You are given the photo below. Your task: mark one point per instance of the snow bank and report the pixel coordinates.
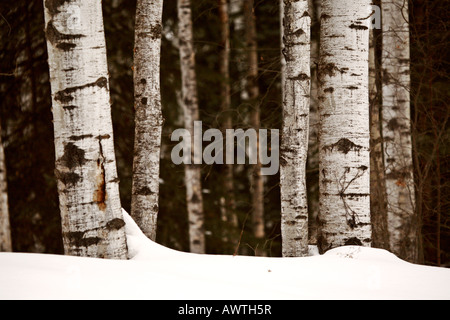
(156, 272)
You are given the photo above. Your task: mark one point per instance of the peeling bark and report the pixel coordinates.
(344, 179)
(148, 117)
(85, 160)
(295, 128)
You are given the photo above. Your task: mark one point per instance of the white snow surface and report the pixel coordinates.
(159, 273)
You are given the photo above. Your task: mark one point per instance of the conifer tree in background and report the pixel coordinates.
(148, 117)
(396, 126)
(194, 197)
(344, 136)
(88, 187)
(294, 143)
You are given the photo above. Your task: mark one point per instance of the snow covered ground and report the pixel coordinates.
(156, 272)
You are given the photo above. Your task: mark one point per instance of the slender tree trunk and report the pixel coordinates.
(403, 225)
(313, 145)
(257, 181)
(194, 196)
(5, 229)
(295, 129)
(344, 124)
(229, 203)
(91, 213)
(147, 145)
(378, 199)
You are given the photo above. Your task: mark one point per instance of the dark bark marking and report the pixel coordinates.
(358, 27)
(144, 191)
(65, 96)
(80, 137)
(55, 37)
(115, 224)
(77, 239)
(67, 178)
(195, 198)
(73, 156)
(154, 33)
(64, 46)
(353, 242)
(103, 136)
(69, 108)
(395, 125)
(300, 77)
(53, 5)
(344, 145)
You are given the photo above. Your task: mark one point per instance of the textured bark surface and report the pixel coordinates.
(148, 117)
(91, 215)
(194, 197)
(295, 128)
(344, 125)
(257, 182)
(5, 229)
(397, 129)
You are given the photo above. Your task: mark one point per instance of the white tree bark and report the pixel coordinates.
(147, 145)
(5, 229)
(92, 223)
(295, 128)
(194, 197)
(344, 125)
(397, 129)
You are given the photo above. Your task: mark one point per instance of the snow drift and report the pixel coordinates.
(156, 272)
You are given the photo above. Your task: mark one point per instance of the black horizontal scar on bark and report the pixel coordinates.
(56, 38)
(344, 145)
(65, 96)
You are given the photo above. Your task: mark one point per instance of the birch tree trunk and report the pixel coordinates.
(194, 197)
(402, 221)
(5, 229)
(92, 222)
(147, 145)
(229, 203)
(257, 182)
(344, 125)
(295, 128)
